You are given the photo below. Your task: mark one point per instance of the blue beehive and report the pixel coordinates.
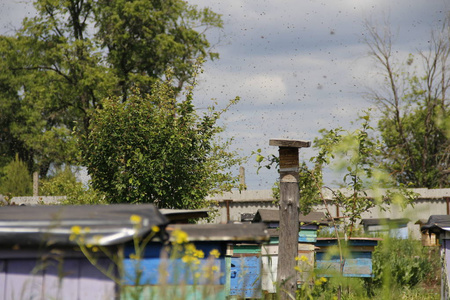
(162, 275)
(308, 224)
(39, 257)
(357, 264)
(245, 271)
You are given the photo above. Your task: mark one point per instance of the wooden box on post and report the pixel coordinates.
(289, 227)
(309, 224)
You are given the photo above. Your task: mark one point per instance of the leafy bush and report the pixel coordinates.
(404, 263)
(17, 180)
(156, 149)
(64, 183)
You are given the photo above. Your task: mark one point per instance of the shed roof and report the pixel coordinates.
(273, 215)
(437, 223)
(52, 225)
(184, 215)
(222, 232)
(384, 221)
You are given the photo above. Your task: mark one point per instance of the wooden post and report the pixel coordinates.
(35, 184)
(242, 177)
(289, 220)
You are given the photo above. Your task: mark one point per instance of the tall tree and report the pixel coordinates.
(155, 149)
(61, 63)
(414, 106)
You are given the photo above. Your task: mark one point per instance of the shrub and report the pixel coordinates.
(404, 263)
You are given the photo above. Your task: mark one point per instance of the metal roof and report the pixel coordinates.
(384, 221)
(222, 232)
(184, 215)
(99, 224)
(437, 223)
(273, 215)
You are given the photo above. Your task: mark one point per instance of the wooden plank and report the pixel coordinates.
(305, 267)
(289, 227)
(188, 292)
(247, 249)
(360, 265)
(269, 273)
(23, 280)
(93, 284)
(269, 249)
(149, 271)
(61, 279)
(2, 279)
(351, 249)
(245, 277)
(289, 143)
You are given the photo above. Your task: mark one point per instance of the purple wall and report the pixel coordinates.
(65, 279)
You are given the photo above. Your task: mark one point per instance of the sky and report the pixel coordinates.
(297, 65)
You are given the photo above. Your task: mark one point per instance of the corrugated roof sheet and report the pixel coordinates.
(273, 215)
(384, 221)
(183, 215)
(436, 223)
(222, 232)
(52, 225)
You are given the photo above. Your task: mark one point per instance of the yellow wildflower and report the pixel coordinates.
(215, 268)
(303, 258)
(155, 228)
(134, 256)
(214, 253)
(189, 248)
(95, 249)
(135, 219)
(76, 230)
(320, 281)
(297, 268)
(190, 259)
(199, 254)
(180, 236)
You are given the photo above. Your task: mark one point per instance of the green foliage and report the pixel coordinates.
(16, 180)
(354, 155)
(411, 265)
(56, 69)
(153, 149)
(414, 108)
(65, 183)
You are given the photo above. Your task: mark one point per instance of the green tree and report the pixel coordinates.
(152, 148)
(353, 155)
(65, 183)
(55, 70)
(415, 121)
(17, 180)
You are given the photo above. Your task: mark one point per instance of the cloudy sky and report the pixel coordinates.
(297, 65)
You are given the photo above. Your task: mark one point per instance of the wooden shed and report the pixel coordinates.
(40, 258)
(357, 264)
(308, 224)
